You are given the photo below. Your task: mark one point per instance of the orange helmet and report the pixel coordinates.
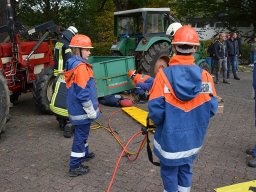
(131, 73)
(81, 41)
(185, 35)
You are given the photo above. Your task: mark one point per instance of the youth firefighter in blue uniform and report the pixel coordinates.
(181, 103)
(82, 102)
(142, 82)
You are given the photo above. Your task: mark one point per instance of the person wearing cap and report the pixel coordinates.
(61, 49)
(82, 102)
(181, 103)
(142, 83)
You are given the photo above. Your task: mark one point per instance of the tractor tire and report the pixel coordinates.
(4, 103)
(205, 66)
(43, 89)
(155, 52)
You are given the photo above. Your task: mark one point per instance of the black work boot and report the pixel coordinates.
(68, 131)
(79, 171)
(88, 157)
(252, 163)
(236, 78)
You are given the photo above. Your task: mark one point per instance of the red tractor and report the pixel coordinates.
(24, 64)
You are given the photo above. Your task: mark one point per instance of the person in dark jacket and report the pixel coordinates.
(82, 102)
(220, 56)
(233, 54)
(211, 52)
(252, 152)
(61, 49)
(61, 54)
(181, 103)
(253, 50)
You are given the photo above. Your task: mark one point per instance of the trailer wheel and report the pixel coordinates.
(43, 89)
(4, 103)
(149, 59)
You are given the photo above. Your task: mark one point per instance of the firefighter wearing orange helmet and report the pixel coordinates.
(82, 102)
(181, 103)
(142, 83)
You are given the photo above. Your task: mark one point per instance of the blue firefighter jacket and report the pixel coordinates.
(181, 103)
(81, 90)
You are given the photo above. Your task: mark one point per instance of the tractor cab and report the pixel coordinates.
(141, 22)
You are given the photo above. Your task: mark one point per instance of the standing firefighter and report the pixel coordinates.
(62, 51)
(58, 101)
(170, 32)
(181, 103)
(82, 102)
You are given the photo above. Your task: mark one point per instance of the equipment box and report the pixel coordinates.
(110, 73)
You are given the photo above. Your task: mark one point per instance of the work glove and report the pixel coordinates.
(91, 113)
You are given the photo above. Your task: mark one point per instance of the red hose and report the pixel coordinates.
(120, 157)
(116, 136)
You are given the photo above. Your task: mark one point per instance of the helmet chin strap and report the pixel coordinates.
(81, 52)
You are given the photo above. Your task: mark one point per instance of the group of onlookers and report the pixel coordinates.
(225, 51)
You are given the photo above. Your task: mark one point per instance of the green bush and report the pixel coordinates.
(101, 49)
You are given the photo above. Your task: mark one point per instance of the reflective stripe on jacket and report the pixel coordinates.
(61, 53)
(58, 103)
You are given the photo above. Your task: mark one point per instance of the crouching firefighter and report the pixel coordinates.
(82, 102)
(58, 101)
(142, 83)
(181, 103)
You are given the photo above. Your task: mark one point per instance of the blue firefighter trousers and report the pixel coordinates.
(176, 178)
(80, 146)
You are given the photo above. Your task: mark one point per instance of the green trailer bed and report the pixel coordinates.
(110, 73)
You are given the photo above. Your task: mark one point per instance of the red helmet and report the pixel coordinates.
(81, 41)
(126, 103)
(131, 73)
(185, 35)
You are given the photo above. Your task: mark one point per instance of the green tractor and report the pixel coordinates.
(142, 33)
